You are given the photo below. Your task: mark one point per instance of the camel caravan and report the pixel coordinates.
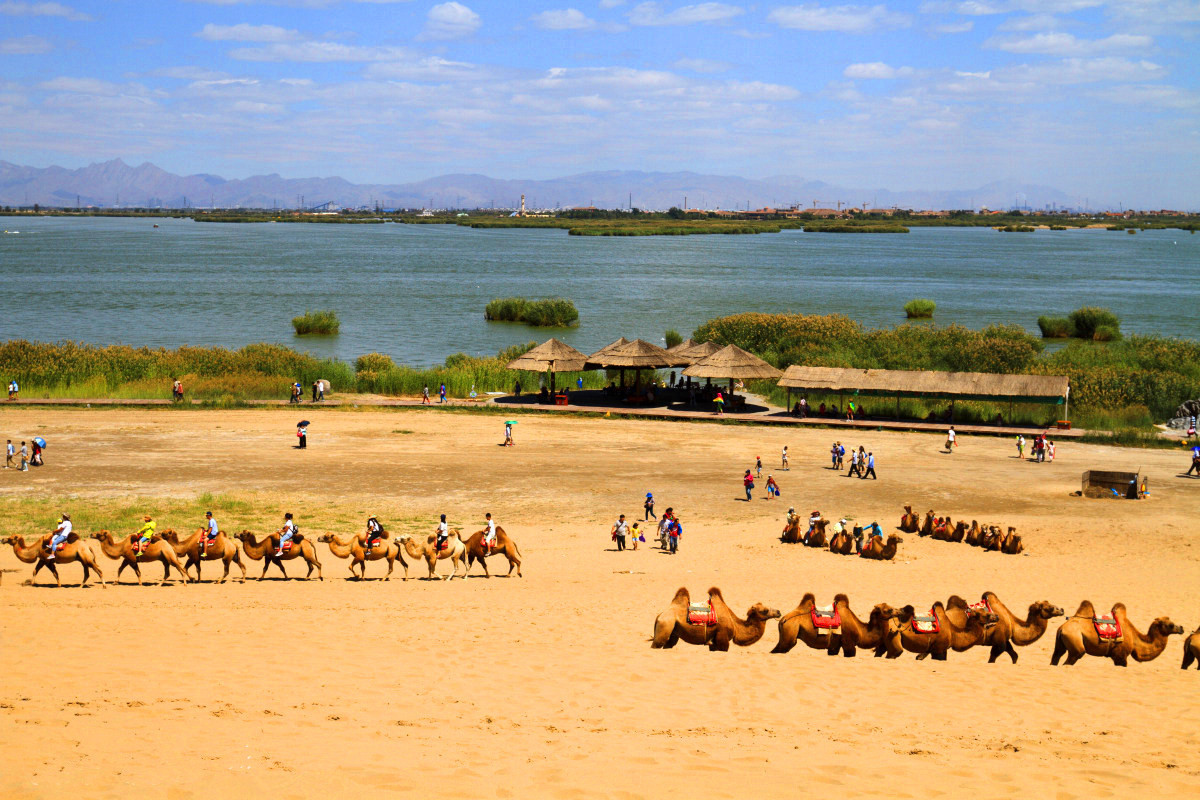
(868, 543)
(179, 555)
(889, 631)
(989, 537)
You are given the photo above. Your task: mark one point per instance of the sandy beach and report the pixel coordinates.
(545, 686)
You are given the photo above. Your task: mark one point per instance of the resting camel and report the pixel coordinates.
(853, 634)
(949, 636)
(73, 549)
(157, 549)
(974, 535)
(817, 537)
(992, 539)
(426, 550)
(1191, 649)
(876, 550)
(1012, 543)
(505, 546)
(354, 548)
(221, 548)
(672, 624)
(265, 551)
(909, 522)
(791, 532)
(842, 542)
(943, 531)
(927, 526)
(1077, 637)
(1008, 628)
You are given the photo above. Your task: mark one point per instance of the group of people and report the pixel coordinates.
(860, 535)
(748, 482)
(319, 387)
(442, 394)
(13, 389)
(862, 463)
(1043, 448)
(10, 456)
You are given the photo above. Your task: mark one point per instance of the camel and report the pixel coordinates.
(817, 537)
(1012, 544)
(427, 551)
(876, 550)
(791, 532)
(927, 526)
(354, 548)
(948, 637)
(505, 546)
(842, 542)
(157, 549)
(992, 539)
(672, 625)
(943, 531)
(73, 549)
(853, 633)
(1191, 649)
(1077, 637)
(196, 550)
(265, 551)
(909, 522)
(1008, 628)
(974, 535)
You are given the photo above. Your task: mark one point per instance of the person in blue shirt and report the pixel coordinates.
(870, 468)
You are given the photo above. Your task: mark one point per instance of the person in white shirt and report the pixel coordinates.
(443, 533)
(8, 455)
(59, 535)
(950, 440)
(785, 458)
(489, 536)
(374, 531)
(286, 532)
(619, 529)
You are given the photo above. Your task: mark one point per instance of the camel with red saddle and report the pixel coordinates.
(934, 634)
(791, 532)
(833, 628)
(75, 548)
(505, 546)
(943, 529)
(842, 542)
(131, 553)
(992, 538)
(711, 623)
(817, 538)
(876, 550)
(197, 548)
(354, 547)
(1114, 636)
(265, 551)
(1191, 649)
(426, 549)
(1008, 629)
(927, 525)
(909, 521)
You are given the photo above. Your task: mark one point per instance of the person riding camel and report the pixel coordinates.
(792, 519)
(813, 519)
(144, 533)
(210, 535)
(374, 531)
(59, 535)
(443, 533)
(489, 537)
(286, 533)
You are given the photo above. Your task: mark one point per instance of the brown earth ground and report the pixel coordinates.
(546, 685)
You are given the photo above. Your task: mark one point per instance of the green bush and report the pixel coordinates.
(1055, 327)
(316, 322)
(1131, 230)
(920, 309)
(672, 338)
(374, 362)
(1106, 333)
(1088, 319)
(1016, 229)
(552, 312)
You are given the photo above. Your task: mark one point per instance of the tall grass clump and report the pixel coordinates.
(318, 322)
(1055, 327)
(551, 312)
(920, 309)
(672, 337)
(1092, 322)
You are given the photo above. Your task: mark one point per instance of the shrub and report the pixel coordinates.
(1106, 333)
(1088, 319)
(672, 338)
(1055, 327)
(556, 311)
(374, 362)
(1058, 227)
(316, 322)
(1016, 229)
(920, 309)
(1131, 230)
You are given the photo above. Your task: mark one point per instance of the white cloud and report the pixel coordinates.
(247, 33)
(704, 65)
(966, 26)
(970, 8)
(1154, 95)
(1066, 44)
(450, 21)
(1031, 22)
(43, 10)
(611, 3)
(318, 52)
(563, 19)
(653, 14)
(843, 19)
(24, 46)
(876, 70)
(188, 73)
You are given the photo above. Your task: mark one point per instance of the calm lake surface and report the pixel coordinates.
(417, 292)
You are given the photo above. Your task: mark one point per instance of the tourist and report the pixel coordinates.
(314, 391)
(673, 534)
(841, 455)
(24, 458)
(36, 461)
(748, 483)
(635, 535)
(792, 518)
(211, 529)
(813, 519)
(579, 383)
(1191, 431)
(295, 396)
(619, 531)
(508, 439)
(322, 384)
(59, 535)
(489, 535)
(803, 407)
(9, 452)
(286, 532)
(1020, 447)
(850, 412)
(442, 393)
(870, 468)
(758, 466)
(13, 389)
(649, 507)
(1195, 467)
(374, 532)
(425, 394)
(853, 464)
(772, 487)
(719, 403)
(144, 533)
(664, 527)
(785, 458)
(177, 391)
(442, 532)
(951, 440)
(302, 434)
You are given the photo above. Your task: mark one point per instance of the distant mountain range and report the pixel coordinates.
(116, 184)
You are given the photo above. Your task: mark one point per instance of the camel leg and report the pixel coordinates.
(279, 563)
(939, 656)
(1188, 658)
(1060, 648)
(191, 562)
(835, 644)
(1012, 651)
(720, 642)
(353, 574)
(238, 560)
(848, 649)
(1120, 660)
(136, 571)
(53, 571)
(166, 572)
(1072, 658)
(198, 563)
(996, 651)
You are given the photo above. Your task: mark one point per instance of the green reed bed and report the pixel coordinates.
(920, 309)
(317, 322)
(550, 312)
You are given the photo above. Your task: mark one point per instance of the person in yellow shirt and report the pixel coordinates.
(145, 532)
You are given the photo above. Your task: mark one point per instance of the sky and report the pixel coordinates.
(1092, 97)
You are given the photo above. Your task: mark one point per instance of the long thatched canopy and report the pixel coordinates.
(732, 361)
(638, 354)
(905, 383)
(551, 355)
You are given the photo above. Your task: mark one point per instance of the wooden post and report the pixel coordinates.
(897, 406)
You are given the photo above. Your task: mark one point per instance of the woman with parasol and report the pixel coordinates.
(302, 434)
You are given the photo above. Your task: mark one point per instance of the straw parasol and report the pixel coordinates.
(732, 362)
(699, 351)
(636, 355)
(686, 344)
(550, 356)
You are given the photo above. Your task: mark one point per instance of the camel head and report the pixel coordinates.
(984, 617)
(325, 537)
(402, 538)
(894, 538)
(8, 539)
(245, 536)
(1044, 610)
(886, 611)
(1165, 626)
(101, 534)
(760, 612)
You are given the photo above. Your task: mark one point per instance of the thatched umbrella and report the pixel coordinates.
(550, 356)
(686, 344)
(636, 355)
(699, 351)
(732, 362)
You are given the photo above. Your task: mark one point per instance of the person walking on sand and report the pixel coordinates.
(841, 455)
(1020, 447)
(302, 434)
(785, 458)
(1050, 451)
(635, 535)
(441, 394)
(664, 528)
(853, 464)
(870, 468)
(9, 452)
(673, 534)
(758, 466)
(719, 404)
(24, 458)
(1195, 467)
(508, 440)
(772, 487)
(748, 482)
(951, 440)
(619, 530)
(425, 396)
(649, 507)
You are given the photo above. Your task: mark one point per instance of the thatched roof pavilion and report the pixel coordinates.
(699, 351)
(550, 356)
(732, 362)
(638, 354)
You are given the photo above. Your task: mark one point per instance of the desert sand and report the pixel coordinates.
(545, 686)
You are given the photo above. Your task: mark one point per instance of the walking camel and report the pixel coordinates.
(196, 549)
(1191, 649)
(876, 550)
(265, 551)
(1078, 637)
(1008, 630)
(157, 549)
(354, 548)
(426, 550)
(852, 632)
(73, 549)
(672, 625)
(941, 637)
(505, 546)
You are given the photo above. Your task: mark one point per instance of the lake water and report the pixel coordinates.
(417, 292)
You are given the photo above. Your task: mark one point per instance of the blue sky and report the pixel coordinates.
(1093, 97)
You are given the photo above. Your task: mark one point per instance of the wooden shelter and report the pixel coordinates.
(550, 356)
(636, 355)
(732, 362)
(698, 351)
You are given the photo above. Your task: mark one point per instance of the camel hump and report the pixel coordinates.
(1086, 609)
(956, 602)
(713, 591)
(72, 537)
(841, 597)
(1119, 607)
(809, 598)
(681, 595)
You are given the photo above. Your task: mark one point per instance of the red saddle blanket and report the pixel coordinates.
(701, 614)
(926, 624)
(826, 618)
(1107, 627)
(443, 545)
